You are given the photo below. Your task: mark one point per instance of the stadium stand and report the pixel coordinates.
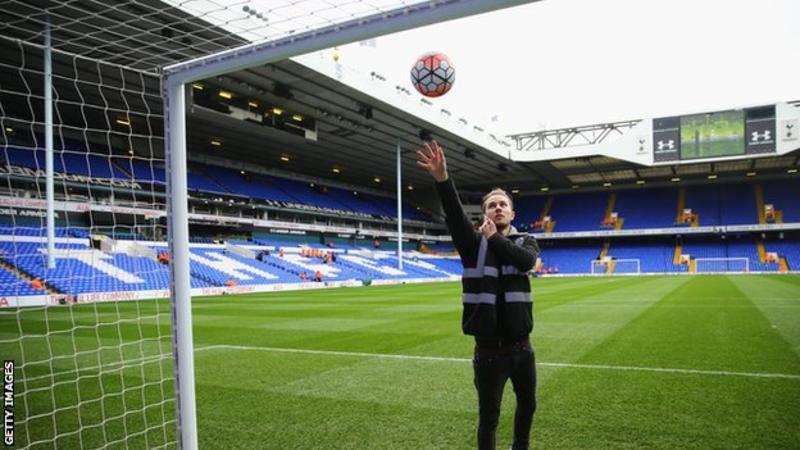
(81, 269)
(574, 259)
(737, 203)
(210, 179)
(784, 196)
(212, 266)
(653, 258)
(789, 249)
(647, 208)
(578, 212)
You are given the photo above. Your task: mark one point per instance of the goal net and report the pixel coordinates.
(615, 266)
(92, 365)
(96, 361)
(722, 265)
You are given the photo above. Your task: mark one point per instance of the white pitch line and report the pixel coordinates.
(546, 364)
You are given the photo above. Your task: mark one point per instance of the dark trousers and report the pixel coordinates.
(492, 370)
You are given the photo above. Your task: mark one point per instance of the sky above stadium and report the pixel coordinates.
(565, 63)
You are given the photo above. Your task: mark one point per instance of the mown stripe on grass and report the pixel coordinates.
(737, 338)
(571, 328)
(467, 360)
(773, 295)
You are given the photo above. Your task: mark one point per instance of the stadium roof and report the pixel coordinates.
(362, 145)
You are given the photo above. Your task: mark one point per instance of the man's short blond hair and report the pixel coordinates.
(497, 191)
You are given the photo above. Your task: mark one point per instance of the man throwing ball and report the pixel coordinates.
(498, 309)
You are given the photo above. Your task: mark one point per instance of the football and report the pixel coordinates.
(433, 74)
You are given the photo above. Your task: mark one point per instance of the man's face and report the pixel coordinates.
(498, 210)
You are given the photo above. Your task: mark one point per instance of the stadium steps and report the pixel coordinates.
(548, 205)
(678, 252)
(759, 189)
(27, 277)
(762, 251)
(610, 267)
(783, 265)
(778, 216)
(612, 202)
(546, 210)
(618, 224)
(695, 220)
(604, 251)
(692, 266)
(681, 205)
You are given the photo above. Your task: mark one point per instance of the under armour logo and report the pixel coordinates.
(668, 145)
(789, 127)
(755, 136)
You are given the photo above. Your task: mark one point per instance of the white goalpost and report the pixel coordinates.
(722, 265)
(615, 266)
(86, 164)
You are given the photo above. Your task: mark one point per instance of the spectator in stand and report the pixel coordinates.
(231, 282)
(281, 253)
(37, 284)
(377, 243)
(304, 276)
(333, 256)
(318, 276)
(163, 258)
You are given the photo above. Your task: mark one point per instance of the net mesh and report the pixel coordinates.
(89, 374)
(145, 34)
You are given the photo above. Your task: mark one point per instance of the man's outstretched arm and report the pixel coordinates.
(434, 161)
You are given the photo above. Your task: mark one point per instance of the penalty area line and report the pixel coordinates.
(466, 360)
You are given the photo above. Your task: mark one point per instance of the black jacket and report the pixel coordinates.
(495, 284)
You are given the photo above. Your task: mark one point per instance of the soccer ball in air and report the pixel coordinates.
(433, 74)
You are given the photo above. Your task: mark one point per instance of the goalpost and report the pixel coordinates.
(722, 265)
(92, 370)
(615, 266)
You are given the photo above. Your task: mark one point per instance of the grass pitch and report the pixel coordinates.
(624, 362)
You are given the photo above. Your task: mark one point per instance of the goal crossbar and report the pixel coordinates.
(399, 19)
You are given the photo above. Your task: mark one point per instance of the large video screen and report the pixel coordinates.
(720, 134)
(712, 135)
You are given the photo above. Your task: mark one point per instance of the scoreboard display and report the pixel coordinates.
(714, 135)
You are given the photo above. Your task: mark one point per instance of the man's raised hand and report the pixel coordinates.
(433, 161)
